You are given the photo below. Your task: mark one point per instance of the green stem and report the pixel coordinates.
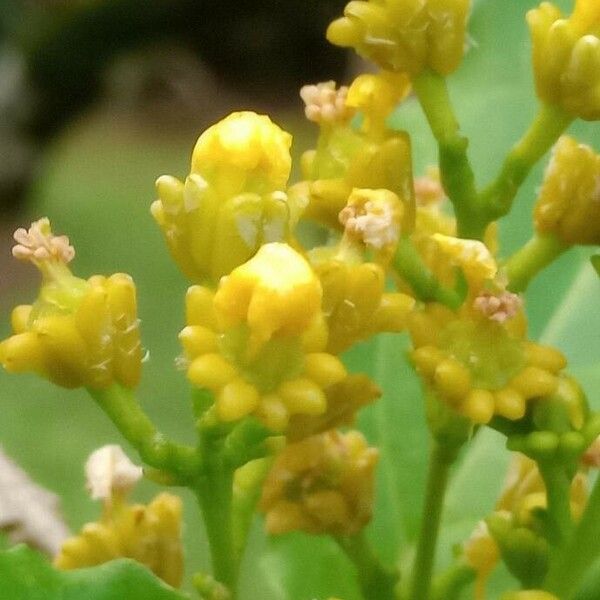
(376, 582)
(437, 481)
(456, 171)
(579, 554)
(558, 492)
(248, 483)
(548, 126)
(410, 266)
(215, 495)
(123, 409)
(533, 257)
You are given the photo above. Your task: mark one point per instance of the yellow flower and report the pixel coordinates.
(566, 57)
(243, 152)
(373, 217)
(275, 292)
(232, 202)
(568, 204)
(259, 344)
(77, 333)
(482, 366)
(405, 35)
(376, 96)
(373, 158)
(355, 303)
(324, 484)
(326, 105)
(149, 534)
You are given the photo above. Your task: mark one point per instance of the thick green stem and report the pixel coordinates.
(558, 492)
(215, 495)
(579, 554)
(410, 266)
(123, 409)
(376, 582)
(548, 126)
(437, 481)
(456, 171)
(532, 258)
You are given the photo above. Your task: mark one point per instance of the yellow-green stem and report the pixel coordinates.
(579, 554)
(410, 266)
(549, 124)
(123, 409)
(456, 171)
(533, 257)
(215, 494)
(437, 482)
(376, 582)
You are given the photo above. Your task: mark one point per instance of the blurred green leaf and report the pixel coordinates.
(26, 575)
(302, 567)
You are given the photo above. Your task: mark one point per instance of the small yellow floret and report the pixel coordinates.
(245, 146)
(568, 204)
(405, 36)
(274, 293)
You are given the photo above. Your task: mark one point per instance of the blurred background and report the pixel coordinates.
(100, 97)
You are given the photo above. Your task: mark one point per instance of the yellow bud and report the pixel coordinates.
(199, 307)
(273, 412)
(274, 293)
(479, 406)
(472, 256)
(324, 369)
(510, 403)
(23, 352)
(566, 57)
(197, 340)
(303, 396)
(568, 204)
(452, 379)
(19, 317)
(407, 36)
(244, 151)
(533, 382)
(426, 359)
(211, 371)
(545, 357)
(236, 400)
(377, 96)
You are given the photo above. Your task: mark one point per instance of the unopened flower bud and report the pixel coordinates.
(568, 204)
(323, 484)
(566, 57)
(77, 333)
(407, 36)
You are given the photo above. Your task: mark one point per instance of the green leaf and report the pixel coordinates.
(26, 575)
(303, 567)
(590, 589)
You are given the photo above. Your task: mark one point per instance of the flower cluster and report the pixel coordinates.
(407, 36)
(566, 57)
(323, 484)
(77, 333)
(150, 534)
